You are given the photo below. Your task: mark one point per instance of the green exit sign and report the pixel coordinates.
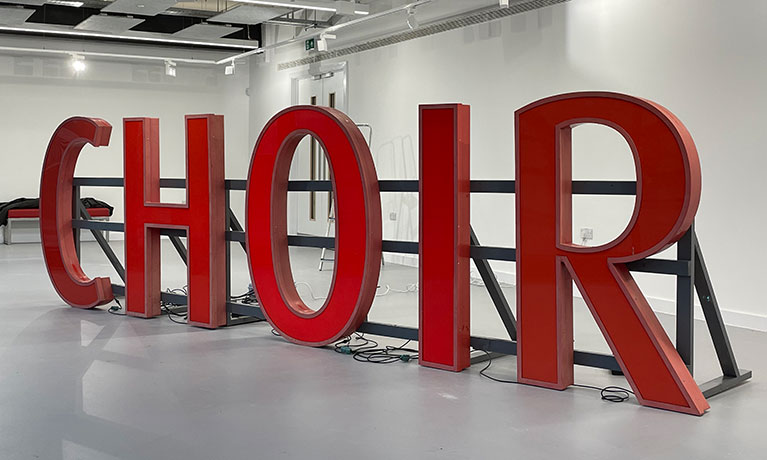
(310, 45)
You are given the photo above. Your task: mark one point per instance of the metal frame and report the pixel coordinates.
(8, 231)
(689, 269)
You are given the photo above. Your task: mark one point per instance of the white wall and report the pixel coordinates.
(702, 59)
(38, 92)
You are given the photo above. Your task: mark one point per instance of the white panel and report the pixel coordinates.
(113, 24)
(11, 16)
(140, 7)
(249, 14)
(206, 31)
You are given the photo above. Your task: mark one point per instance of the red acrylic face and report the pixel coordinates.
(444, 240)
(202, 217)
(668, 192)
(358, 229)
(59, 253)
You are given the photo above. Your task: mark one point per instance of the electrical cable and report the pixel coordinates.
(367, 350)
(167, 307)
(386, 355)
(609, 393)
(346, 347)
(115, 308)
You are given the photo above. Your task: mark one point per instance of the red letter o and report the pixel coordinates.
(358, 225)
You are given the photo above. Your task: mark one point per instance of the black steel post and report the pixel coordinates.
(685, 307)
(228, 261)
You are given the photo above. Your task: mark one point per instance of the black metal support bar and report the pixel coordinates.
(724, 383)
(660, 266)
(103, 244)
(228, 251)
(97, 225)
(235, 226)
(245, 310)
(410, 186)
(713, 316)
(180, 248)
(494, 289)
(483, 356)
(689, 270)
(685, 313)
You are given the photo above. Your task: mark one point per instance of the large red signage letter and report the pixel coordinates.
(64, 269)
(444, 237)
(203, 217)
(358, 225)
(668, 192)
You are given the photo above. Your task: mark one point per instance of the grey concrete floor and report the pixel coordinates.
(86, 385)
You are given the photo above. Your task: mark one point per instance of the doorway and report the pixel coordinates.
(310, 212)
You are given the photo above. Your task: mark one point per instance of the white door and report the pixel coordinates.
(311, 209)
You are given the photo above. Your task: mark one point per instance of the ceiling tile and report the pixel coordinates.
(206, 31)
(12, 16)
(113, 24)
(140, 7)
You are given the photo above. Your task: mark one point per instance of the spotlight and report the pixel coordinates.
(170, 68)
(322, 43)
(78, 63)
(412, 21)
(229, 70)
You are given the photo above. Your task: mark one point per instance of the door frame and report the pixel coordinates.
(313, 71)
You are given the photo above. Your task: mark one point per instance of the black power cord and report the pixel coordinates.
(367, 350)
(354, 344)
(609, 393)
(115, 308)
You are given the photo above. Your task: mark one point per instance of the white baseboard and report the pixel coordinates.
(409, 260)
(666, 306)
(731, 317)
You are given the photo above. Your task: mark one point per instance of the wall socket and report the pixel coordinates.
(587, 233)
(392, 216)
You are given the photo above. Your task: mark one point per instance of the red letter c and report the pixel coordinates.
(64, 269)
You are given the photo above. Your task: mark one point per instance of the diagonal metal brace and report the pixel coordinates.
(103, 243)
(713, 315)
(494, 289)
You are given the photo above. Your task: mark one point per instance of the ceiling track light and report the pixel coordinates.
(412, 21)
(170, 68)
(78, 63)
(229, 69)
(322, 43)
